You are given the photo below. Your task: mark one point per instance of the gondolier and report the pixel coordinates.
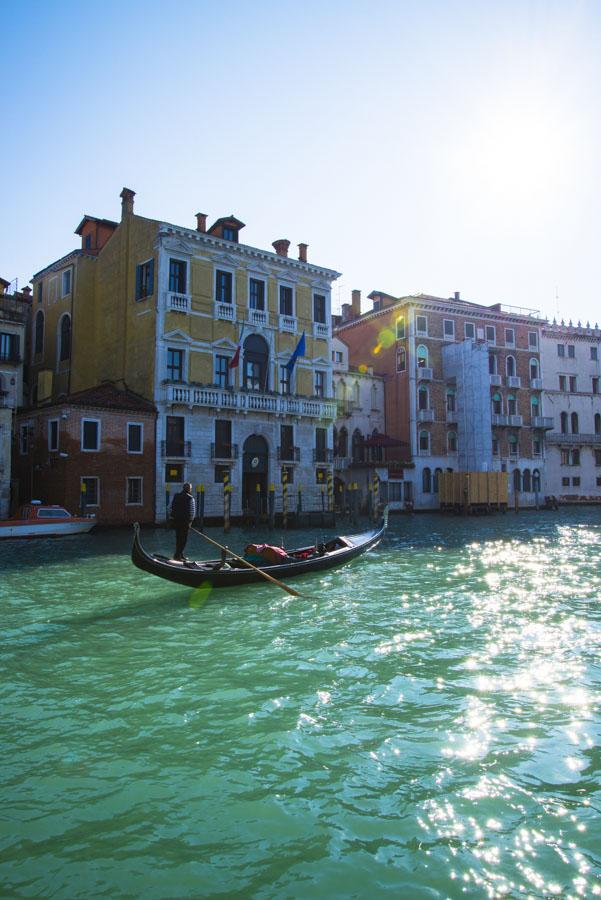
(183, 510)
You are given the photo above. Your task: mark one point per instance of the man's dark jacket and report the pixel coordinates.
(183, 508)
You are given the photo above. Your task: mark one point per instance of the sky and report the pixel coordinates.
(423, 146)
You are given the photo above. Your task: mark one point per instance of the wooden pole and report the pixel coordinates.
(271, 505)
(226, 501)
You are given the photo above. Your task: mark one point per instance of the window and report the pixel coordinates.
(534, 368)
(256, 294)
(509, 337)
(423, 398)
(66, 282)
(576, 482)
(512, 405)
(561, 350)
(422, 357)
(510, 366)
(451, 400)
(427, 481)
(565, 457)
(595, 384)
(319, 308)
(286, 442)
(222, 473)
(574, 420)
(53, 434)
(374, 398)
(222, 371)
(135, 443)
(492, 364)
(286, 301)
(597, 457)
(24, 433)
(512, 440)
(576, 457)
(534, 403)
(495, 446)
(177, 276)
(90, 491)
(594, 353)
(470, 331)
(448, 329)
(65, 339)
(337, 356)
(134, 491)
(424, 441)
(565, 482)
(90, 435)
(401, 359)
(321, 435)
(563, 419)
(229, 234)
(571, 351)
(597, 423)
(223, 286)
(319, 384)
(223, 439)
(175, 364)
(563, 383)
(452, 442)
(573, 387)
(39, 333)
(491, 334)
(9, 346)
(175, 433)
(400, 328)
(145, 279)
(174, 473)
(287, 475)
(88, 242)
(39, 290)
(421, 325)
(342, 442)
(537, 447)
(285, 376)
(395, 491)
(533, 340)
(517, 480)
(497, 404)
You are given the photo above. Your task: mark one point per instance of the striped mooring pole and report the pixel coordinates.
(82, 499)
(330, 482)
(284, 497)
(226, 501)
(376, 494)
(271, 505)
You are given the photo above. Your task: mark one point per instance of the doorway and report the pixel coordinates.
(255, 468)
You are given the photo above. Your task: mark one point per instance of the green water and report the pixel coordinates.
(425, 724)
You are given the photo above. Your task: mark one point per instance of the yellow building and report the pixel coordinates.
(204, 326)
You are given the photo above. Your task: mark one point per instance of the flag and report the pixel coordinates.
(298, 351)
(235, 360)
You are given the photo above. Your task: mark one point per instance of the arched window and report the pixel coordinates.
(512, 405)
(526, 484)
(401, 362)
(424, 441)
(358, 448)
(374, 397)
(356, 393)
(452, 442)
(535, 480)
(451, 400)
(342, 442)
(341, 390)
(423, 398)
(563, 422)
(574, 423)
(597, 423)
(497, 404)
(517, 480)
(376, 452)
(534, 404)
(64, 338)
(422, 357)
(256, 359)
(427, 481)
(512, 440)
(510, 366)
(534, 368)
(39, 333)
(492, 364)
(437, 472)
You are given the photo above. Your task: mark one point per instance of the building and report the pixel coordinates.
(205, 327)
(14, 314)
(572, 396)
(94, 450)
(463, 387)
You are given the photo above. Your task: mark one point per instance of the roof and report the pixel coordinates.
(107, 222)
(107, 396)
(4, 282)
(227, 220)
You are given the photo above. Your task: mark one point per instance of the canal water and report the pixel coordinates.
(424, 723)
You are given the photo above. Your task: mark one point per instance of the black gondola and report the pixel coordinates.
(317, 558)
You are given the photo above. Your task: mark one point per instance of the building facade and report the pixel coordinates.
(14, 314)
(571, 360)
(463, 387)
(94, 451)
(232, 344)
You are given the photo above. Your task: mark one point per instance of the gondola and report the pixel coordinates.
(316, 558)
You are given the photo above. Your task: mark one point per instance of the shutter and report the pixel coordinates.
(150, 288)
(138, 282)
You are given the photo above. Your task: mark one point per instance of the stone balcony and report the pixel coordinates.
(179, 302)
(514, 381)
(496, 380)
(536, 384)
(515, 421)
(257, 317)
(321, 331)
(579, 439)
(425, 415)
(424, 373)
(249, 401)
(542, 422)
(226, 311)
(288, 323)
(499, 419)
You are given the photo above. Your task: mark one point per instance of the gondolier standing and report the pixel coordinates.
(183, 510)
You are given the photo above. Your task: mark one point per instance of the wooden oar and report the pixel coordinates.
(248, 564)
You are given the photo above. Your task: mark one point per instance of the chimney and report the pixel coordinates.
(457, 295)
(302, 252)
(281, 247)
(346, 312)
(127, 202)
(356, 303)
(201, 222)
(26, 291)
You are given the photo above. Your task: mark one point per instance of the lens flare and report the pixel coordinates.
(200, 595)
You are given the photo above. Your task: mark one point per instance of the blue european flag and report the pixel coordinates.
(298, 351)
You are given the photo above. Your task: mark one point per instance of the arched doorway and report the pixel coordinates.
(255, 467)
(256, 359)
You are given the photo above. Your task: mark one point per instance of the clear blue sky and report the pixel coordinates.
(415, 146)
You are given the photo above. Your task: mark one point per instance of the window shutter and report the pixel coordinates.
(138, 282)
(150, 288)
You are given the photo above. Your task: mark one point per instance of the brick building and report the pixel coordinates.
(103, 440)
(463, 388)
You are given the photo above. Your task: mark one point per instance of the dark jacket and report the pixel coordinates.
(183, 508)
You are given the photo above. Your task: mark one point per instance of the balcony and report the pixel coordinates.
(536, 384)
(11, 357)
(179, 302)
(322, 332)
(289, 454)
(542, 422)
(176, 449)
(515, 421)
(224, 452)
(514, 381)
(257, 317)
(323, 455)
(425, 415)
(498, 419)
(288, 323)
(424, 373)
(341, 462)
(579, 439)
(226, 311)
(246, 401)
(495, 380)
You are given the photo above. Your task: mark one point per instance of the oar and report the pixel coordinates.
(248, 564)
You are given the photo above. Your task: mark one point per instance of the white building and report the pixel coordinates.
(14, 311)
